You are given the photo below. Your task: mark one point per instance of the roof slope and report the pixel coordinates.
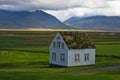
(77, 40)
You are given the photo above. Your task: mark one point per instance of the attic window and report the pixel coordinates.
(58, 37)
(58, 44)
(62, 45)
(54, 44)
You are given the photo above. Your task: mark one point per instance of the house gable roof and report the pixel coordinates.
(57, 38)
(77, 40)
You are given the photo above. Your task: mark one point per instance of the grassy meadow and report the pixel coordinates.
(24, 55)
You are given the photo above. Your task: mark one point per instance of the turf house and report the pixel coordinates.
(71, 49)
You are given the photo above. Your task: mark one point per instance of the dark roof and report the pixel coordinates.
(77, 40)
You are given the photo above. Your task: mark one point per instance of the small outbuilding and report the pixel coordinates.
(71, 49)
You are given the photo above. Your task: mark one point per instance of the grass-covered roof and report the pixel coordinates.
(77, 40)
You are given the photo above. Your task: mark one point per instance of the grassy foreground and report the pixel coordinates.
(108, 75)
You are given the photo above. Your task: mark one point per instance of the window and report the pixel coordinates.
(58, 44)
(62, 57)
(58, 37)
(53, 44)
(77, 57)
(53, 56)
(62, 45)
(86, 57)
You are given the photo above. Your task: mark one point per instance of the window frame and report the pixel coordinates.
(58, 44)
(53, 56)
(62, 57)
(54, 44)
(77, 57)
(63, 45)
(86, 57)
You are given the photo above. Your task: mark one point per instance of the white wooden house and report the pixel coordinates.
(71, 49)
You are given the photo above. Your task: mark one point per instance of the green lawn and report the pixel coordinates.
(108, 50)
(109, 75)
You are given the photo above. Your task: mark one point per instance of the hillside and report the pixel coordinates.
(26, 19)
(95, 22)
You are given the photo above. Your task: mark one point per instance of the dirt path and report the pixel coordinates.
(95, 70)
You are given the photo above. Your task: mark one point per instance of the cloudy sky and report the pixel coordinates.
(64, 9)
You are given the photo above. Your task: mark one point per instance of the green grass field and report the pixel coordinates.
(109, 75)
(25, 56)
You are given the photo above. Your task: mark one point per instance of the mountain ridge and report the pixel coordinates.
(27, 19)
(95, 22)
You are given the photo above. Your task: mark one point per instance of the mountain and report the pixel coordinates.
(27, 19)
(95, 22)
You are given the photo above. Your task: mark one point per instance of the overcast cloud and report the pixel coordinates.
(67, 7)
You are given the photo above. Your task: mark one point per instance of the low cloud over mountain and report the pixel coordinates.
(63, 9)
